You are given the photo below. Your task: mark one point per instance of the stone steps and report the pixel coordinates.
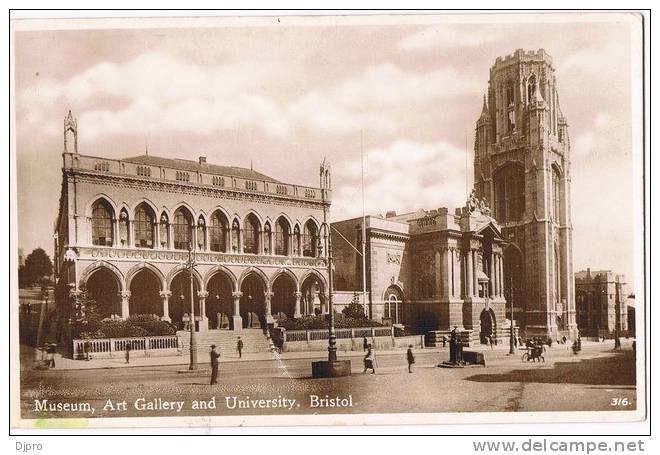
(254, 341)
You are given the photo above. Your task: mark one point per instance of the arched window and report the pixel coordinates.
(531, 89)
(509, 185)
(217, 232)
(144, 226)
(102, 224)
(251, 235)
(310, 239)
(556, 195)
(282, 237)
(182, 229)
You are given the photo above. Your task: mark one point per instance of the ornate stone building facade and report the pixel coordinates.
(601, 300)
(125, 228)
(522, 166)
(430, 270)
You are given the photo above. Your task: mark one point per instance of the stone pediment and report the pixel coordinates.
(489, 225)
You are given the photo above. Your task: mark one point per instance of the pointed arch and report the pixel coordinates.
(93, 267)
(145, 266)
(180, 204)
(309, 272)
(101, 219)
(285, 271)
(223, 270)
(254, 271)
(104, 197)
(182, 268)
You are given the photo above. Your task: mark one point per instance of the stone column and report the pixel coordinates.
(155, 232)
(492, 283)
(468, 274)
(115, 232)
(267, 297)
(204, 321)
(298, 309)
(165, 296)
(475, 282)
(501, 270)
(125, 295)
(237, 321)
(130, 241)
(207, 243)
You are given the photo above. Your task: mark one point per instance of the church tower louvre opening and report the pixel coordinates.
(522, 168)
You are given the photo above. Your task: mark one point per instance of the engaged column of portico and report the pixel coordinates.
(237, 321)
(492, 279)
(203, 321)
(125, 295)
(469, 290)
(298, 309)
(475, 282)
(165, 296)
(501, 272)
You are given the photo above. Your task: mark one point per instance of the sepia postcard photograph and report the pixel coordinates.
(327, 219)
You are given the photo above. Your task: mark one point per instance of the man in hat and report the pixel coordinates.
(239, 347)
(215, 355)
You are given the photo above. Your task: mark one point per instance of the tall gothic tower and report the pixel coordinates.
(522, 167)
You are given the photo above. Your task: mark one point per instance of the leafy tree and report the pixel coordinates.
(23, 279)
(37, 266)
(354, 310)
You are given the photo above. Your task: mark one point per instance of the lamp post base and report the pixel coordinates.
(327, 369)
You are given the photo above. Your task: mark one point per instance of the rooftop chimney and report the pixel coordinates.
(202, 160)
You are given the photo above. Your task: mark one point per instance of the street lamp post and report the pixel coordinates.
(190, 265)
(511, 335)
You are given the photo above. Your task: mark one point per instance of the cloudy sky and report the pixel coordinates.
(285, 94)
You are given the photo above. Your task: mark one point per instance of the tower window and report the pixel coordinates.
(509, 193)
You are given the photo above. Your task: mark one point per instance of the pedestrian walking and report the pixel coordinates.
(215, 355)
(50, 355)
(411, 358)
(128, 352)
(239, 347)
(370, 360)
(490, 341)
(86, 349)
(365, 343)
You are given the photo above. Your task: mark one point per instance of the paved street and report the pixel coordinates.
(587, 382)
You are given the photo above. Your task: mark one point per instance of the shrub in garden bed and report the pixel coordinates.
(140, 325)
(311, 322)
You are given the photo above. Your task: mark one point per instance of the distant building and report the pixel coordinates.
(522, 167)
(602, 306)
(430, 270)
(21, 257)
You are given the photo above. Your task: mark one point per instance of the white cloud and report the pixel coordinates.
(404, 176)
(155, 92)
(445, 35)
